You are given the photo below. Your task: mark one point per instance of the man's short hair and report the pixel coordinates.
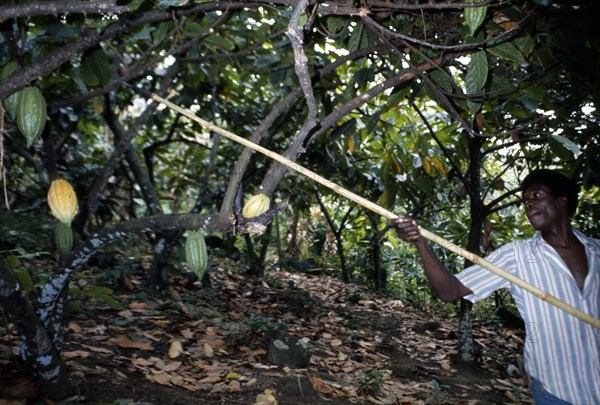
(559, 185)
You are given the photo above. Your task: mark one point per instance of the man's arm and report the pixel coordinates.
(442, 281)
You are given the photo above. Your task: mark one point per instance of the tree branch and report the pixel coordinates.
(54, 59)
(61, 7)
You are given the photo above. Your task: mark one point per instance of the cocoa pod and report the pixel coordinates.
(62, 201)
(256, 205)
(195, 253)
(31, 113)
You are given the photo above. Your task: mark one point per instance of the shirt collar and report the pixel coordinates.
(590, 244)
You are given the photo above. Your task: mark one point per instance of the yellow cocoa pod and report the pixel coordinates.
(62, 201)
(256, 205)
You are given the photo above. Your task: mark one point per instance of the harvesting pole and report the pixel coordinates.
(544, 296)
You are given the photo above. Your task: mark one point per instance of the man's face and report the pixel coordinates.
(542, 208)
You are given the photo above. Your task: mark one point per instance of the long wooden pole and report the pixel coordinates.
(379, 210)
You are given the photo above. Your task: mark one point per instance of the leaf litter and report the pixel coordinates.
(207, 344)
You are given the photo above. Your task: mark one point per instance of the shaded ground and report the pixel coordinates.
(208, 345)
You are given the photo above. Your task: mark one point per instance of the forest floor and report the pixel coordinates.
(208, 344)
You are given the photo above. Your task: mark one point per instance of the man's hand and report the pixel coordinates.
(406, 228)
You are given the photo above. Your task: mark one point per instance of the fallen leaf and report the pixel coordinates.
(162, 379)
(172, 366)
(319, 385)
(176, 349)
(208, 350)
(74, 327)
(125, 342)
(235, 386)
(75, 353)
(98, 349)
(266, 399)
(186, 333)
(336, 342)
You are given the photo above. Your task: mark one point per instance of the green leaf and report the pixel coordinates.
(441, 79)
(193, 29)
(159, 34)
(507, 51)
(477, 73)
(524, 44)
(218, 41)
(135, 4)
(342, 129)
(567, 143)
(11, 262)
(364, 76)
(276, 76)
(474, 17)
(356, 38)
(164, 4)
(529, 103)
(335, 24)
(23, 279)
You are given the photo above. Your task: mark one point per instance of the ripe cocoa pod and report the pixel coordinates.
(195, 253)
(62, 201)
(63, 237)
(10, 102)
(31, 113)
(256, 205)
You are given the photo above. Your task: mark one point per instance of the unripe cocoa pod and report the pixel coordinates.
(31, 113)
(10, 103)
(62, 201)
(195, 253)
(256, 205)
(63, 237)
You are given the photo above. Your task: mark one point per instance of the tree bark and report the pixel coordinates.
(465, 324)
(379, 273)
(41, 356)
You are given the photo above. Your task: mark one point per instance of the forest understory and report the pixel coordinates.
(209, 343)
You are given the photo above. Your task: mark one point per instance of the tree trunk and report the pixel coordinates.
(39, 353)
(465, 325)
(379, 273)
(337, 233)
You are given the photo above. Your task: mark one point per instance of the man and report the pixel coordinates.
(562, 353)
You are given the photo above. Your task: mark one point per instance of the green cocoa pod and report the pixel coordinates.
(10, 102)
(63, 236)
(195, 253)
(31, 113)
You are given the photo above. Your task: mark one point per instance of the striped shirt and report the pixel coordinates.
(561, 351)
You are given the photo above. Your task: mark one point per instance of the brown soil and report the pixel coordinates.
(365, 348)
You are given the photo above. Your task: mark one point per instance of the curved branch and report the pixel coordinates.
(81, 254)
(51, 61)
(503, 37)
(118, 153)
(289, 100)
(61, 7)
(276, 170)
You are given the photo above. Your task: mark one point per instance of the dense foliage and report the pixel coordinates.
(437, 110)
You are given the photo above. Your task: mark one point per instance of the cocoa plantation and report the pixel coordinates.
(196, 195)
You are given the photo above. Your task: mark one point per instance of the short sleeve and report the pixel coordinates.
(482, 281)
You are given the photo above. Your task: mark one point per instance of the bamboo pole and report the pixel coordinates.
(378, 209)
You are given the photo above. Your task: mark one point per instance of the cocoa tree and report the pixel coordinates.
(289, 75)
